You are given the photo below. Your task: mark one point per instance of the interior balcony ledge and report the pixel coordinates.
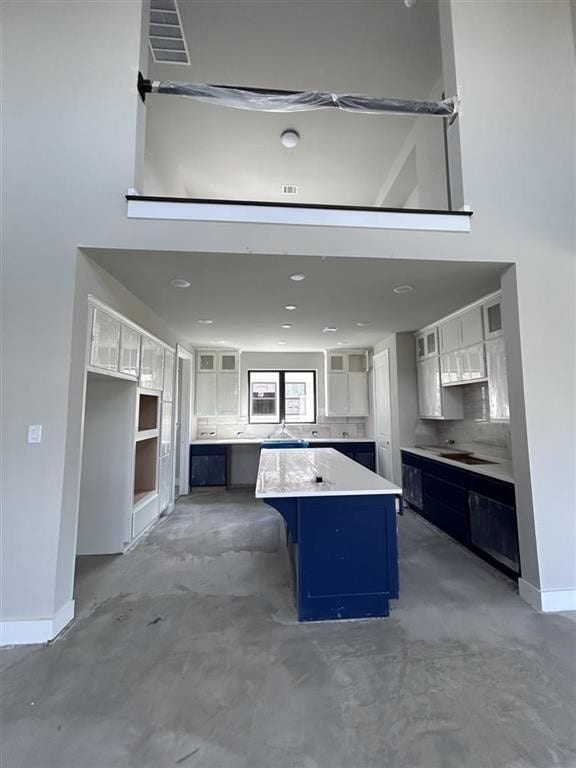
(303, 214)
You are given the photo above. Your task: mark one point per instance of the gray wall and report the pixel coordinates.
(518, 177)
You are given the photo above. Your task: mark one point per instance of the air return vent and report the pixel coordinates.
(289, 189)
(166, 36)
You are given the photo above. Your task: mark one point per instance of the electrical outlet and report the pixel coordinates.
(35, 433)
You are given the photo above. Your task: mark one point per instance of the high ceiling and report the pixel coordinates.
(376, 47)
(245, 296)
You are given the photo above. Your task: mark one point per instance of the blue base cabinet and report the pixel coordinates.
(208, 465)
(363, 453)
(345, 554)
(477, 511)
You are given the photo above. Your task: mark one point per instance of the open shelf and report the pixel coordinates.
(146, 435)
(147, 412)
(145, 468)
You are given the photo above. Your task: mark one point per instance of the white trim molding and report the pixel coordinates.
(38, 631)
(547, 600)
(170, 209)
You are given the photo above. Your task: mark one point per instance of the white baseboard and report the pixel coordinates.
(547, 600)
(38, 631)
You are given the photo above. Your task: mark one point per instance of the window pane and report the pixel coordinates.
(299, 405)
(264, 388)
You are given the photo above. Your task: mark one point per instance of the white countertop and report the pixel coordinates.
(499, 470)
(258, 440)
(291, 472)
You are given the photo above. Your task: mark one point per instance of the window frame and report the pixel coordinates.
(282, 393)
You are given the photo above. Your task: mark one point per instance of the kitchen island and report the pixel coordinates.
(341, 524)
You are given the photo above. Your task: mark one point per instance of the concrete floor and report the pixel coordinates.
(185, 652)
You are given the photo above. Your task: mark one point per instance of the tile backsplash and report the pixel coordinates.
(474, 432)
(225, 427)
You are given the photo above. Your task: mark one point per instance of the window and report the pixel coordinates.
(276, 396)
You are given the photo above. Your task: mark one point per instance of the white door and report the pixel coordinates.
(383, 420)
(337, 394)
(227, 394)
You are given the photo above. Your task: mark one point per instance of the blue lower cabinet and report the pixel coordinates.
(477, 511)
(366, 457)
(208, 465)
(346, 555)
(363, 453)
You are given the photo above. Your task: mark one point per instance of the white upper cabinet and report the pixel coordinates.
(427, 343)
(435, 401)
(347, 383)
(168, 388)
(129, 351)
(471, 327)
(105, 340)
(462, 331)
(217, 382)
(493, 318)
(151, 364)
(206, 396)
(227, 386)
(497, 380)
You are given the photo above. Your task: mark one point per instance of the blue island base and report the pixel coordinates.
(345, 554)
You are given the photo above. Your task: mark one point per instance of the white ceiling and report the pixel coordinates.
(377, 47)
(245, 295)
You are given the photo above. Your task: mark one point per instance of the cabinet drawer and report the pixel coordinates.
(411, 459)
(450, 495)
(447, 519)
(445, 472)
(493, 489)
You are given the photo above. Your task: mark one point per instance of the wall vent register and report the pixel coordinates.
(166, 36)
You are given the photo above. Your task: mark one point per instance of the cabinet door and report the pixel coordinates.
(412, 485)
(493, 318)
(450, 368)
(337, 395)
(206, 395)
(129, 351)
(168, 389)
(472, 328)
(472, 363)
(357, 394)
(429, 390)
(165, 482)
(227, 394)
(152, 364)
(336, 363)
(166, 429)
(228, 362)
(420, 347)
(105, 347)
(206, 361)
(357, 362)
(431, 342)
(494, 530)
(497, 380)
(450, 335)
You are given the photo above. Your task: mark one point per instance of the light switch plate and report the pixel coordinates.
(35, 433)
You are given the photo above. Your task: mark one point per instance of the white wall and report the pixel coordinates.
(518, 177)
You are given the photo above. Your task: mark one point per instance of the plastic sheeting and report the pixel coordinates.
(301, 101)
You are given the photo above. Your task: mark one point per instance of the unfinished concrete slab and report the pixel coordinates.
(186, 652)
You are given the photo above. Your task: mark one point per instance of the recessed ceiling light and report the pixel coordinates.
(290, 138)
(179, 283)
(297, 277)
(403, 288)
(282, 342)
(290, 307)
(329, 329)
(363, 324)
(205, 321)
(286, 325)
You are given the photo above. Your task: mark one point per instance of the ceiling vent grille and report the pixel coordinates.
(166, 36)
(289, 189)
